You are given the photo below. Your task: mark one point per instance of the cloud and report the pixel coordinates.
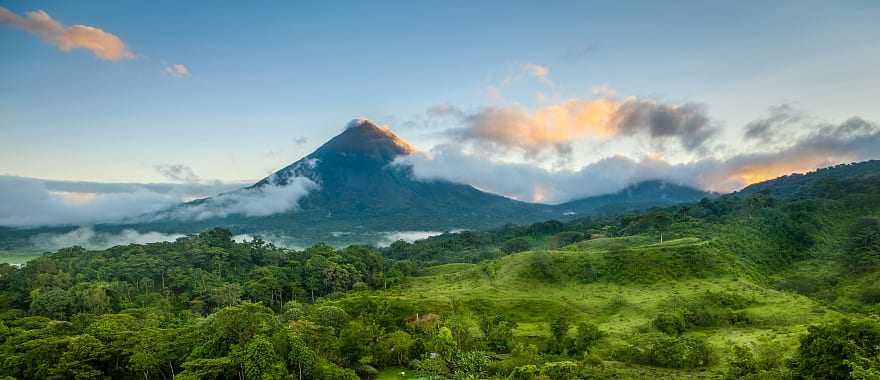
(26, 202)
(822, 145)
(86, 237)
(553, 128)
(271, 198)
(178, 172)
(687, 123)
(177, 70)
(408, 236)
(767, 129)
(106, 46)
(538, 72)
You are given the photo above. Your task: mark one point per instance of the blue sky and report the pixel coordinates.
(264, 77)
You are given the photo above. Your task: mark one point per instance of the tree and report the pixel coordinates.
(397, 345)
(498, 332)
(300, 357)
(53, 302)
(84, 358)
(826, 350)
(259, 358)
(565, 238)
(516, 245)
(471, 365)
(558, 340)
(587, 337)
(330, 316)
(863, 247)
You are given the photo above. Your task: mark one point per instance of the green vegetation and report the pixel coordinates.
(760, 285)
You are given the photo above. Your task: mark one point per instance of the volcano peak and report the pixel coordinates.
(364, 137)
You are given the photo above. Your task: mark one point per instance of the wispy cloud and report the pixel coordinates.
(769, 128)
(178, 172)
(177, 70)
(104, 45)
(539, 72)
(272, 198)
(88, 238)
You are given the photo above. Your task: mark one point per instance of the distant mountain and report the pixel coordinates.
(639, 196)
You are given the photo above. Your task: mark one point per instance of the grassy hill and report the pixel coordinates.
(621, 285)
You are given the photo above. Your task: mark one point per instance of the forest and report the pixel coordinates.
(778, 281)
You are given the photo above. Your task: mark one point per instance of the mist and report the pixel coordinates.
(88, 238)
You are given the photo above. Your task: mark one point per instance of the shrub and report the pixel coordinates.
(514, 245)
(471, 364)
(708, 310)
(662, 350)
(526, 372)
(871, 295)
(587, 336)
(565, 238)
(671, 323)
(565, 370)
(825, 351)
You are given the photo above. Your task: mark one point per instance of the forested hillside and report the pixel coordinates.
(778, 281)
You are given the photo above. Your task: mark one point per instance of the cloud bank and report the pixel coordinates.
(813, 147)
(28, 202)
(106, 46)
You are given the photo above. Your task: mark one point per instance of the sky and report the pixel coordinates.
(551, 92)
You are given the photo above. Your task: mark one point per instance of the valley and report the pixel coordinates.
(726, 288)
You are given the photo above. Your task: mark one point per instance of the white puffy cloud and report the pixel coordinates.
(104, 45)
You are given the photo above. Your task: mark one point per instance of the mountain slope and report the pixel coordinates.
(824, 179)
(350, 190)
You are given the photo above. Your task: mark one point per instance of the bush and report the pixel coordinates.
(871, 295)
(514, 245)
(560, 370)
(827, 351)
(666, 351)
(526, 372)
(708, 310)
(587, 336)
(565, 238)
(671, 323)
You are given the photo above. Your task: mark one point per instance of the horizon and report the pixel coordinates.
(546, 103)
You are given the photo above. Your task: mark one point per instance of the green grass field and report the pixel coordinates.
(619, 306)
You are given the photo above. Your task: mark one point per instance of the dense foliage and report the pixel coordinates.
(207, 307)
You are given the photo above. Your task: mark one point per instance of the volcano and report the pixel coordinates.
(352, 190)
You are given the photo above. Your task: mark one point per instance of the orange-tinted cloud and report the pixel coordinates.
(106, 46)
(554, 127)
